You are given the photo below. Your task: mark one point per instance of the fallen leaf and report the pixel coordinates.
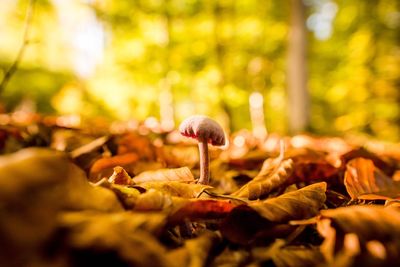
(138, 144)
(369, 222)
(117, 239)
(32, 183)
(103, 167)
(126, 195)
(286, 256)
(299, 256)
(81, 195)
(273, 174)
(174, 188)
(195, 252)
(310, 166)
(294, 205)
(364, 181)
(386, 167)
(201, 209)
(246, 221)
(154, 200)
(232, 257)
(120, 176)
(163, 175)
(35, 185)
(348, 231)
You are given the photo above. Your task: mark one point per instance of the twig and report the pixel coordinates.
(25, 41)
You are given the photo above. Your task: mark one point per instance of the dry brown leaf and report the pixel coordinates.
(32, 183)
(138, 144)
(299, 204)
(273, 174)
(174, 188)
(35, 185)
(196, 252)
(201, 209)
(120, 176)
(379, 162)
(287, 256)
(164, 175)
(140, 199)
(246, 221)
(154, 200)
(369, 222)
(364, 181)
(127, 239)
(348, 232)
(126, 195)
(312, 165)
(298, 256)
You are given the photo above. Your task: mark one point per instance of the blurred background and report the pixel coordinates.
(328, 67)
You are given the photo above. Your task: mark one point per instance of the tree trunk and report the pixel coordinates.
(298, 97)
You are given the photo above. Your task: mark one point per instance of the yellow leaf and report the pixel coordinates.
(163, 175)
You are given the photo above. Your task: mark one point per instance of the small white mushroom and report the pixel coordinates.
(205, 130)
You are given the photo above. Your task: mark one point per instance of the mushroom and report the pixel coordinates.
(205, 130)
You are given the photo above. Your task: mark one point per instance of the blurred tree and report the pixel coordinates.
(298, 102)
(354, 67)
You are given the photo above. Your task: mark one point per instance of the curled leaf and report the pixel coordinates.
(379, 162)
(120, 176)
(299, 204)
(364, 181)
(273, 174)
(163, 175)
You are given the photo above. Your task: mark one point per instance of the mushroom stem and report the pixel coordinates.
(204, 162)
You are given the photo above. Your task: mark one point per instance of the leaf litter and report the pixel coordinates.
(133, 200)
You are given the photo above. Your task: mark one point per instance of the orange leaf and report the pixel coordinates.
(164, 175)
(100, 167)
(364, 181)
(202, 210)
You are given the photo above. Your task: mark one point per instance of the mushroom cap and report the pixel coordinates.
(203, 128)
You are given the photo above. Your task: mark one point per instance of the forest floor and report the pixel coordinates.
(95, 196)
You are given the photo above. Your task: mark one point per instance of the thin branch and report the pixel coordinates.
(25, 41)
